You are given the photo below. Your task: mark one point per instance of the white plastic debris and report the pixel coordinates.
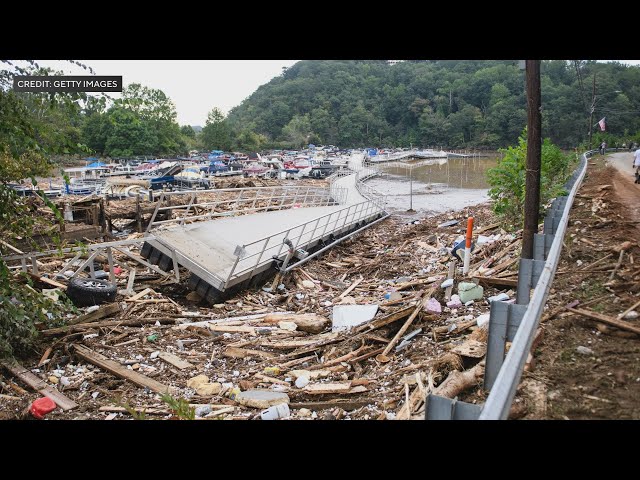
(482, 319)
(447, 283)
(498, 298)
(302, 382)
(346, 317)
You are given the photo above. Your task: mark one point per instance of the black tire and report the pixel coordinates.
(85, 292)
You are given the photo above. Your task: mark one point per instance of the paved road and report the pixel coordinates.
(623, 161)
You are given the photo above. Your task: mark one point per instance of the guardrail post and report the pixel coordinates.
(529, 272)
(504, 320)
(442, 408)
(542, 245)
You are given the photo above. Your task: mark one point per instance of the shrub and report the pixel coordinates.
(507, 178)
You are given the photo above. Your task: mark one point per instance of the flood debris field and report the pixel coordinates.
(587, 356)
(362, 332)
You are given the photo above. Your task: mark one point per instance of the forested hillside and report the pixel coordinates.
(454, 103)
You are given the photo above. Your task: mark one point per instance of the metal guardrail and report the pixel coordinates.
(517, 322)
(234, 201)
(503, 392)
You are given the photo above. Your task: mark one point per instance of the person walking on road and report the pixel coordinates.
(636, 164)
(603, 148)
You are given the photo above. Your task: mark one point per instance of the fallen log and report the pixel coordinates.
(457, 381)
(308, 322)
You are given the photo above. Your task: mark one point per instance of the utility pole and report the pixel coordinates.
(410, 189)
(534, 151)
(593, 107)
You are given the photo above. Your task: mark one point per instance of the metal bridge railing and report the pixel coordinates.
(234, 201)
(250, 255)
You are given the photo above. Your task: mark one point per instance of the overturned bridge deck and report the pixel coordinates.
(225, 252)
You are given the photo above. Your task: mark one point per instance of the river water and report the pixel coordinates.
(454, 184)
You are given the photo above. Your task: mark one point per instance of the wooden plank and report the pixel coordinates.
(323, 388)
(406, 325)
(307, 322)
(142, 261)
(265, 378)
(331, 404)
(348, 290)
(132, 276)
(233, 329)
(628, 309)
(103, 311)
(488, 227)
(508, 282)
(8, 397)
(235, 352)
(118, 370)
(48, 281)
(404, 286)
(139, 295)
(45, 356)
(136, 322)
(174, 360)
(11, 247)
(607, 320)
(39, 386)
(452, 273)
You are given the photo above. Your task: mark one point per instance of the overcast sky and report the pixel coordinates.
(195, 86)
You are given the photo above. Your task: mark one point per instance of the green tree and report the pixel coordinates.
(33, 128)
(188, 131)
(216, 134)
(298, 131)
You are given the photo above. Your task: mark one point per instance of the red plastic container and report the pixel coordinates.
(40, 407)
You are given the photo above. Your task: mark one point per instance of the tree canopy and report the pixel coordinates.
(455, 103)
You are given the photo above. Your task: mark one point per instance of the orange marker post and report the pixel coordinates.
(467, 247)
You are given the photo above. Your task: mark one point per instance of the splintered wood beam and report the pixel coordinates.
(39, 386)
(120, 371)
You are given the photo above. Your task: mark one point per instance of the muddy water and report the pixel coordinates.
(455, 184)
